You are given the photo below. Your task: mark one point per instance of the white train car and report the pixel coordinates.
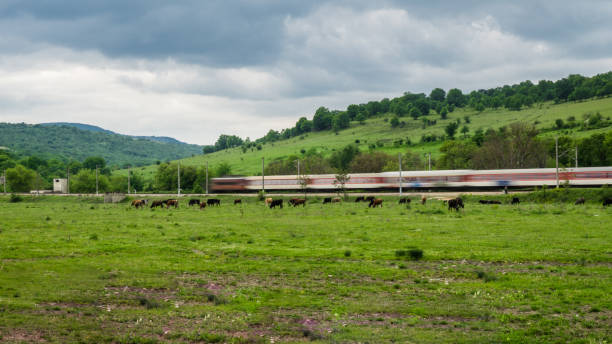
(584, 176)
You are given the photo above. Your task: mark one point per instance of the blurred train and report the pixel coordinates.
(585, 176)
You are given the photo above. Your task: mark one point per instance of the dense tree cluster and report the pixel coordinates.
(518, 146)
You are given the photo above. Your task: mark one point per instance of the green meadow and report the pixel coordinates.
(76, 270)
(379, 129)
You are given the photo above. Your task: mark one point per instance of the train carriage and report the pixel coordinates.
(584, 176)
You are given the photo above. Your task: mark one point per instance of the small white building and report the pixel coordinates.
(60, 185)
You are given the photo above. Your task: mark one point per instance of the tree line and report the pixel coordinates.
(515, 97)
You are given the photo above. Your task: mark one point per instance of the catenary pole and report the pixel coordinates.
(129, 179)
(207, 177)
(557, 160)
(178, 178)
(96, 180)
(399, 156)
(576, 156)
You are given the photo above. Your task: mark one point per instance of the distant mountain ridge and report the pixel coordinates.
(94, 128)
(77, 141)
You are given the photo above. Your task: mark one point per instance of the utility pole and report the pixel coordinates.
(576, 156)
(207, 178)
(178, 178)
(557, 160)
(96, 180)
(399, 156)
(129, 179)
(68, 180)
(263, 179)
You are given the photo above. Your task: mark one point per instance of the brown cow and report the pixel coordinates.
(202, 205)
(579, 201)
(375, 203)
(423, 200)
(297, 201)
(336, 200)
(138, 203)
(267, 201)
(172, 202)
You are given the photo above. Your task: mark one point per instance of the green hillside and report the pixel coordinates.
(378, 131)
(72, 143)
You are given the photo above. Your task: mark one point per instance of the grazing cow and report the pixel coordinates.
(138, 203)
(336, 200)
(423, 200)
(376, 202)
(276, 202)
(171, 203)
(297, 201)
(213, 201)
(194, 202)
(607, 202)
(327, 200)
(515, 200)
(579, 201)
(360, 199)
(202, 205)
(455, 203)
(404, 200)
(237, 201)
(156, 204)
(369, 198)
(267, 201)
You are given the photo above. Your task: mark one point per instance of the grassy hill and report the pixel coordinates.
(76, 143)
(379, 130)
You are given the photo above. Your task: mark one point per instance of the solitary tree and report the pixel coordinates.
(465, 130)
(341, 179)
(451, 129)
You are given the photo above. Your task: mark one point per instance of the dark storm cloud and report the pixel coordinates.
(220, 33)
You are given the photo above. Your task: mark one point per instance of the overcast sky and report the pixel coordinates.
(196, 69)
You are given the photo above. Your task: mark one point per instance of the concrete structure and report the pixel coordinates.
(60, 185)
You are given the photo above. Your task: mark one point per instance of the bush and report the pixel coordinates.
(347, 253)
(487, 277)
(415, 253)
(15, 198)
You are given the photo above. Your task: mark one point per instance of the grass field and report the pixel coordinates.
(77, 270)
(377, 129)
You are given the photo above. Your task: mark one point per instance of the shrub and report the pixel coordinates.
(415, 253)
(15, 198)
(487, 277)
(148, 303)
(347, 253)
(93, 237)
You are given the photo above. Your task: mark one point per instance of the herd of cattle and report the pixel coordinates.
(453, 203)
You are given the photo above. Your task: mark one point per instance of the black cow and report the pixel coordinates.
(194, 202)
(156, 204)
(515, 200)
(455, 203)
(276, 202)
(579, 201)
(237, 201)
(213, 201)
(404, 200)
(607, 202)
(327, 200)
(482, 201)
(370, 198)
(360, 199)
